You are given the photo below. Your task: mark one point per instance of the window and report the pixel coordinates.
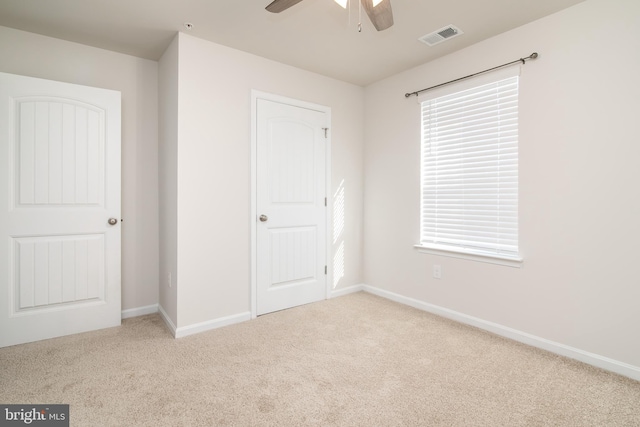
(469, 172)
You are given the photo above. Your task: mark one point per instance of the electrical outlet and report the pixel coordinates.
(437, 271)
(169, 280)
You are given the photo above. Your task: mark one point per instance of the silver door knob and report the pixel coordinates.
(112, 221)
(263, 218)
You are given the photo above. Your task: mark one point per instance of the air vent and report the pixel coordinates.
(444, 33)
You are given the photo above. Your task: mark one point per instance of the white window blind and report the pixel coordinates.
(470, 170)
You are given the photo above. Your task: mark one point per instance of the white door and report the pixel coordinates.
(59, 187)
(291, 197)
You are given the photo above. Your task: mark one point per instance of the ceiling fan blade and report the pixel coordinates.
(278, 6)
(381, 16)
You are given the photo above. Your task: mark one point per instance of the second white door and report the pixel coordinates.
(291, 205)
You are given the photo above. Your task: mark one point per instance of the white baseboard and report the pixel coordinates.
(212, 324)
(346, 291)
(203, 326)
(167, 320)
(523, 337)
(139, 311)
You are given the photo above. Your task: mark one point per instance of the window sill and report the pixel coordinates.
(509, 261)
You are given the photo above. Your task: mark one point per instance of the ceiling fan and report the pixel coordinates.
(379, 11)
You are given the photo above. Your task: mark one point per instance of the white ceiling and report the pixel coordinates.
(316, 35)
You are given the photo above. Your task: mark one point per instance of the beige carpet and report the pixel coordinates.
(357, 360)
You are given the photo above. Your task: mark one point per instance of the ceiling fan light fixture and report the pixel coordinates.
(378, 11)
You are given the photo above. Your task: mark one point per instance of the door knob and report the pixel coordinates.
(112, 221)
(263, 218)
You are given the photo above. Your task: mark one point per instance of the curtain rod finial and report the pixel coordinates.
(534, 55)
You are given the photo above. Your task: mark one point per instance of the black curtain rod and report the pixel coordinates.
(534, 55)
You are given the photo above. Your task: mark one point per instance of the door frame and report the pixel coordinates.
(255, 96)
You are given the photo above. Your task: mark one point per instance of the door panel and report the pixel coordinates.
(293, 255)
(291, 155)
(56, 269)
(59, 185)
(291, 174)
(60, 153)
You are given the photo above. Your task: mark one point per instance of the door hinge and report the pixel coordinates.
(325, 201)
(325, 270)
(325, 131)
